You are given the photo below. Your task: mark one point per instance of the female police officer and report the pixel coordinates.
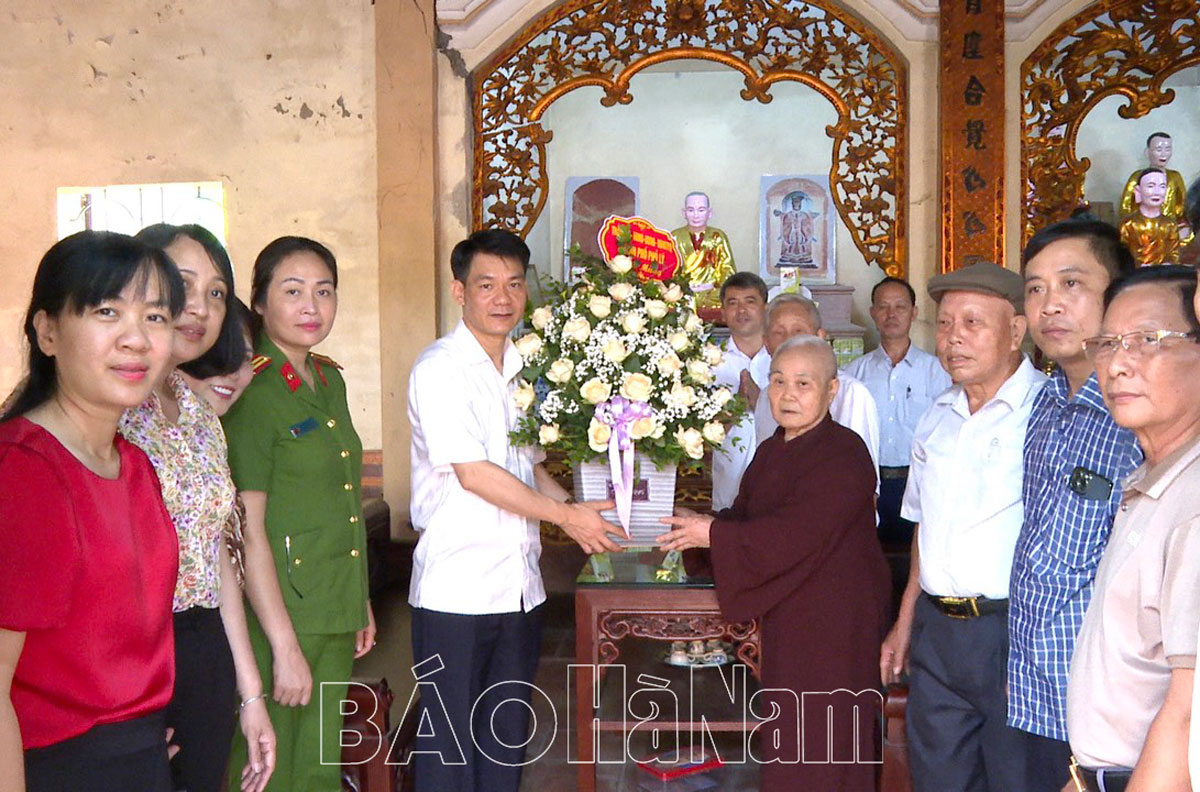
(297, 461)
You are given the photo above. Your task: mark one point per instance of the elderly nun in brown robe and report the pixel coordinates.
(798, 550)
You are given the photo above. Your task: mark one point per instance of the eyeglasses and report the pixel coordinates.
(1141, 343)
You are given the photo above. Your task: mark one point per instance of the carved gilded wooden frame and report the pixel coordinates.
(1127, 47)
(606, 42)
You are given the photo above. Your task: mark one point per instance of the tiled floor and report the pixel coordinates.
(551, 773)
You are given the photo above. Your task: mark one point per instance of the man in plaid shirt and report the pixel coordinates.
(1075, 458)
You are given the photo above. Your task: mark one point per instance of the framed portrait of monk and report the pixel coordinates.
(796, 228)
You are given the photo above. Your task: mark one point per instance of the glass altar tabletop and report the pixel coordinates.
(640, 568)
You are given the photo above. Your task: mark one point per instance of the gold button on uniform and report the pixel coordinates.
(347, 486)
(331, 423)
(354, 553)
(297, 562)
(345, 454)
(354, 518)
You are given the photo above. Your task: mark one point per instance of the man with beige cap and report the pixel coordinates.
(964, 493)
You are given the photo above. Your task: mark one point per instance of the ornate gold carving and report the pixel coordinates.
(1127, 48)
(606, 42)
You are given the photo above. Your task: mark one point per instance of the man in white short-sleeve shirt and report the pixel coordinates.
(790, 315)
(903, 380)
(477, 501)
(964, 493)
(743, 309)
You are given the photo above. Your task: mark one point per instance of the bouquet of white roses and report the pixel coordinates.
(614, 359)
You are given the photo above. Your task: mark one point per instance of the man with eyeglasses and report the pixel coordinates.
(1129, 698)
(1074, 455)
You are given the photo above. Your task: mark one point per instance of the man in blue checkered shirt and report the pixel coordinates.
(1075, 458)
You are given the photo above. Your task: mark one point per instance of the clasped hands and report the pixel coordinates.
(689, 530)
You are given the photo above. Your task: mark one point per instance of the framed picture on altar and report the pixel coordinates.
(590, 201)
(796, 228)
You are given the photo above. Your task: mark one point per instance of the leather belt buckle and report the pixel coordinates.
(959, 607)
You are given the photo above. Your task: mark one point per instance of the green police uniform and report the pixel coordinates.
(298, 445)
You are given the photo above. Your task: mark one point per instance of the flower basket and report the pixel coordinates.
(619, 378)
(653, 496)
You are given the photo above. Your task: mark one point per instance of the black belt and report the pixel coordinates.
(968, 607)
(886, 472)
(1104, 779)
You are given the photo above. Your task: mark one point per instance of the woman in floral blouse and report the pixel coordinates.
(182, 436)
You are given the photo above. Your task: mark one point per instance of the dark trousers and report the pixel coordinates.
(111, 757)
(203, 710)
(496, 653)
(893, 529)
(1047, 763)
(958, 738)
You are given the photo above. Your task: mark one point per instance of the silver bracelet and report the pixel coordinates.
(251, 700)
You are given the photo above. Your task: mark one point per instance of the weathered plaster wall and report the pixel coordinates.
(277, 100)
(455, 174)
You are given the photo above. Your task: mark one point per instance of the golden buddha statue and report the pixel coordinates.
(1152, 236)
(705, 251)
(1159, 149)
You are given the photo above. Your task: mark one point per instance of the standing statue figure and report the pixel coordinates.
(705, 251)
(1158, 153)
(1153, 237)
(797, 231)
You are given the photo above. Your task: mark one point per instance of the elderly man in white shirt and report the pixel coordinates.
(743, 308)
(903, 379)
(477, 501)
(964, 493)
(790, 315)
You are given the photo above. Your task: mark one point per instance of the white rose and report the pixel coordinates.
(693, 323)
(679, 340)
(641, 428)
(620, 291)
(595, 390)
(600, 306)
(528, 345)
(656, 309)
(540, 318)
(673, 293)
(683, 395)
(633, 323)
(524, 396)
(620, 264)
(714, 432)
(691, 441)
(668, 364)
(598, 435)
(577, 329)
(614, 350)
(547, 434)
(721, 396)
(560, 371)
(660, 429)
(713, 354)
(637, 387)
(699, 371)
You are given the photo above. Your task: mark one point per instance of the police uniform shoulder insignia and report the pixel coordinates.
(320, 362)
(324, 360)
(259, 362)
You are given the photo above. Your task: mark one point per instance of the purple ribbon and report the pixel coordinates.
(619, 413)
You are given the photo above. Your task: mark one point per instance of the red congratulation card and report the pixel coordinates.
(652, 249)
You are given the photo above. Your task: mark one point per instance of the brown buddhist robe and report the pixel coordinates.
(798, 550)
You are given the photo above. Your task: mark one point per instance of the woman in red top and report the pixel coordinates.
(90, 554)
